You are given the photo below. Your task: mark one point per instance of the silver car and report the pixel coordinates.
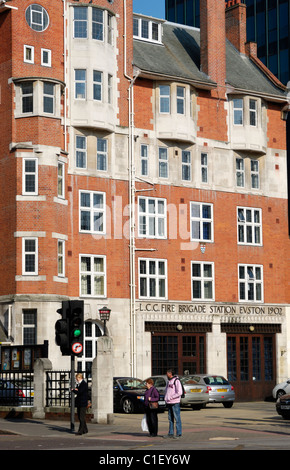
(219, 389)
(281, 389)
(196, 395)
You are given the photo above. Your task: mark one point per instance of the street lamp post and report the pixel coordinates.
(105, 316)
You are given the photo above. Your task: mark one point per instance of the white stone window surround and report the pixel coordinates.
(201, 222)
(152, 274)
(255, 174)
(46, 57)
(163, 162)
(248, 171)
(246, 111)
(240, 172)
(249, 226)
(204, 167)
(30, 256)
(60, 179)
(33, 236)
(93, 281)
(28, 54)
(102, 154)
(38, 94)
(61, 258)
(100, 89)
(93, 26)
(60, 238)
(80, 151)
(202, 281)
(152, 217)
(144, 159)
(30, 176)
(92, 212)
(186, 165)
(251, 283)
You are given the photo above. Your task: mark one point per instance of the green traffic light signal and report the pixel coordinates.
(76, 326)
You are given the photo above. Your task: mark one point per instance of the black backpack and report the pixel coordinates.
(183, 391)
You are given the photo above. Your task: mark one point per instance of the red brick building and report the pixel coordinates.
(143, 167)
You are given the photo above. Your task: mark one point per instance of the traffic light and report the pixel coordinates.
(76, 327)
(69, 330)
(62, 329)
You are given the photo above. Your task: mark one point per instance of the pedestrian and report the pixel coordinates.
(172, 397)
(81, 402)
(151, 407)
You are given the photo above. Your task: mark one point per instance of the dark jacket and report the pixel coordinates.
(81, 394)
(153, 393)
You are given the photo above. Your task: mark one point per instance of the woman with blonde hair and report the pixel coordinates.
(81, 402)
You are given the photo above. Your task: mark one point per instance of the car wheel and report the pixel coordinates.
(127, 406)
(280, 393)
(228, 404)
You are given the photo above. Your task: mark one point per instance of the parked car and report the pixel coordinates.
(196, 395)
(26, 387)
(219, 388)
(281, 389)
(160, 382)
(129, 395)
(10, 394)
(283, 406)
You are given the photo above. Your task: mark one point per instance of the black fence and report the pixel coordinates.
(58, 388)
(16, 388)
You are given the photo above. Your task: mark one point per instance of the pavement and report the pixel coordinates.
(246, 426)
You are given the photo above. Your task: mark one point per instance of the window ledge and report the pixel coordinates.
(29, 277)
(30, 198)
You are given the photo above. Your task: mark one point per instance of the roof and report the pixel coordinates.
(179, 56)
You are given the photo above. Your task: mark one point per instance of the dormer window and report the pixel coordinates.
(147, 29)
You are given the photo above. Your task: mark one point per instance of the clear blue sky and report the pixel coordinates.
(154, 8)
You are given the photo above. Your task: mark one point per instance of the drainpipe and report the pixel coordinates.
(64, 76)
(9, 321)
(132, 191)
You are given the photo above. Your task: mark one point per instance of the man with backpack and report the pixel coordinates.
(173, 393)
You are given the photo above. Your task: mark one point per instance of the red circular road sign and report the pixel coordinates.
(77, 348)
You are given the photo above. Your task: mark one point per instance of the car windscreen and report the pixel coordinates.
(188, 381)
(215, 380)
(131, 384)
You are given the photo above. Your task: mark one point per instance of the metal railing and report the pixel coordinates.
(16, 388)
(58, 388)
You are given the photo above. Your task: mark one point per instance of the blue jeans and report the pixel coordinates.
(174, 414)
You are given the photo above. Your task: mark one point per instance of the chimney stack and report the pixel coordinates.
(213, 40)
(236, 29)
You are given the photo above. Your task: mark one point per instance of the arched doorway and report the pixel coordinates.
(91, 334)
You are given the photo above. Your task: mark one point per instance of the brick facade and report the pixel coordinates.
(92, 130)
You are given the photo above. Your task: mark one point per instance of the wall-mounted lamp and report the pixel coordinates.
(105, 316)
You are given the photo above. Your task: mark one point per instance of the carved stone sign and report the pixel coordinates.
(222, 309)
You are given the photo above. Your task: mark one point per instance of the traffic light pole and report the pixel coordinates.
(72, 406)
